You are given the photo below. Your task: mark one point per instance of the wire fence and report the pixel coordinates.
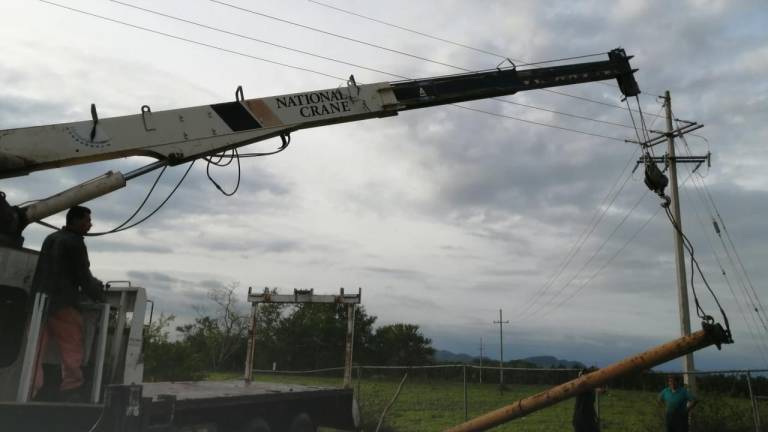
(434, 397)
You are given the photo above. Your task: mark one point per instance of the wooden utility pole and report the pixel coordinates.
(481, 360)
(712, 334)
(500, 322)
(671, 160)
(682, 289)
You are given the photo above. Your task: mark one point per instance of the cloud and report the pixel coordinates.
(463, 212)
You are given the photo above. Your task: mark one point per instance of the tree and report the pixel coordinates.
(402, 344)
(313, 336)
(219, 337)
(165, 360)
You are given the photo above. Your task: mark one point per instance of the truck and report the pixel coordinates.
(118, 399)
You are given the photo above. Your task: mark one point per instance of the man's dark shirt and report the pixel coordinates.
(584, 415)
(63, 271)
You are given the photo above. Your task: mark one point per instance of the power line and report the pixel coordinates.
(459, 44)
(307, 69)
(761, 344)
(392, 50)
(539, 123)
(356, 65)
(586, 233)
(192, 41)
(597, 217)
(592, 257)
(757, 307)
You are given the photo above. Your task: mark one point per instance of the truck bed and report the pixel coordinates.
(234, 402)
(172, 405)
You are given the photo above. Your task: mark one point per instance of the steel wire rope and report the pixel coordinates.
(391, 74)
(311, 70)
(459, 44)
(418, 57)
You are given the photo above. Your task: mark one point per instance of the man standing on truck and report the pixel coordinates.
(63, 273)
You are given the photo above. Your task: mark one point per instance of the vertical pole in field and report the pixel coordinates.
(466, 415)
(682, 290)
(755, 412)
(349, 345)
(501, 322)
(481, 360)
(248, 375)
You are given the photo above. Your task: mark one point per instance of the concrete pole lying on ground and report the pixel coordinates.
(712, 334)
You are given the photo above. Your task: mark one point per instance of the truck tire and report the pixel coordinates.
(302, 423)
(256, 425)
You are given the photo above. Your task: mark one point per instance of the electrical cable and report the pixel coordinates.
(122, 226)
(689, 247)
(237, 184)
(173, 191)
(235, 155)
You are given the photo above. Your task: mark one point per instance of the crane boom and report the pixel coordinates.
(185, 134)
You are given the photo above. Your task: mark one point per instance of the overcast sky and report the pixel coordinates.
(442, 216)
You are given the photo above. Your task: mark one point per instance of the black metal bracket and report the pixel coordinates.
(239, 94)
(95, 117)
(351, 83)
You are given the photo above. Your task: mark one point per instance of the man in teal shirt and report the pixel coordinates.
(678, 403)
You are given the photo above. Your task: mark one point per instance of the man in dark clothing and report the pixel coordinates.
(584, 415)
(63, 273)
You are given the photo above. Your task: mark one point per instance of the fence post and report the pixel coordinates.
(466, 415)
(755, 412)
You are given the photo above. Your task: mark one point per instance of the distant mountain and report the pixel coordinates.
(550, 361)
(444, 356)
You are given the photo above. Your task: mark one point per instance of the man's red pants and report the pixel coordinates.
(66, 327)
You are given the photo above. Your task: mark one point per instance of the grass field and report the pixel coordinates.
(432, 405)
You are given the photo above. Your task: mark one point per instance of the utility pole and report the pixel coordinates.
(500, 322)
(481, 360)
(682, 289)
(671, 160)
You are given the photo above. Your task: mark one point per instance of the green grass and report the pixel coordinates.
(435, 404)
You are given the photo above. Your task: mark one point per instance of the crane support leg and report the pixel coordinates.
(712, 334)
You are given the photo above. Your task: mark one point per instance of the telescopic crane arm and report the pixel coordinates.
(181, 135)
